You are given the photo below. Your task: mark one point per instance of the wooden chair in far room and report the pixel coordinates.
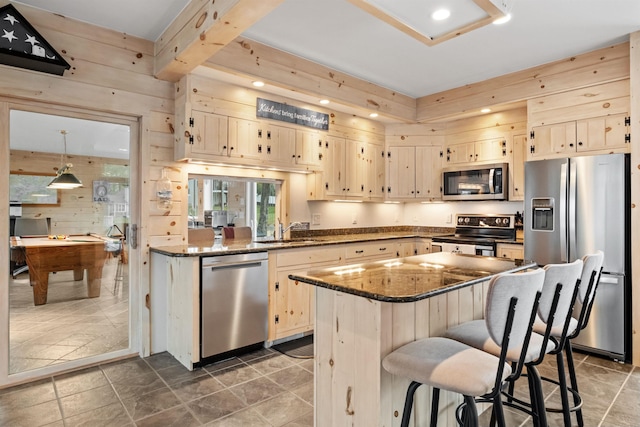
(559, 292)
(201, 235)
(446, 364)
(590, 277)
(236, 232)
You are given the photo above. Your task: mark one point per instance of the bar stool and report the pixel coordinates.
(446, 364)
(590, 278)
(554, 311)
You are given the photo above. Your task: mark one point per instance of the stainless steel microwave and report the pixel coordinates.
(477, 182)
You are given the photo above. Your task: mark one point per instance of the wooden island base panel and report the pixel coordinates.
(368, 310)
(77, 253)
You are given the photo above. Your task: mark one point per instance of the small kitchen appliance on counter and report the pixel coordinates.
(477, 234)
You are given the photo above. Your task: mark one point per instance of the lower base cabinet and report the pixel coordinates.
(509, 250)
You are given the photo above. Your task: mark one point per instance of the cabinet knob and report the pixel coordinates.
(580, 143)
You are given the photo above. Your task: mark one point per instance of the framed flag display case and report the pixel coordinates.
(22, 46)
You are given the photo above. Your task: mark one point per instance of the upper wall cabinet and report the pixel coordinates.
(349, 169)
(477, 151)
(205, 136)
(414, 173)
(606, 134)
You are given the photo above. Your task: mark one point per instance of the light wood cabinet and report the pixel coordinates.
(604, 133)
(205, 137)
(349, 170)
(495, 149)
(370, 250)
(291, 303)
(423, 246)
(308, 150)
(516, 171)
(509, 250)
(414, 172)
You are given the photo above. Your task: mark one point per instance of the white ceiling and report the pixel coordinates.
(339, 35)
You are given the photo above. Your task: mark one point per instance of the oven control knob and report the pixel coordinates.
(466, 220)
(460, 220)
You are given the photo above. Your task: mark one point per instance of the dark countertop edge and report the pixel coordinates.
(228, 248)
(184, 250)
(408, 298)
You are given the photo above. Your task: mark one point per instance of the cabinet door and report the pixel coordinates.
(553, 139)
(401, 173)
(491, 150)
(460, 153)
(281, 145)
(335, 180)
(293, 311)
(209, 134)
(510, 251)
(356, 162)
(243, 137)
(375, 165)
(308, 148)
(428, 167)
(602, 133)
(517, 167)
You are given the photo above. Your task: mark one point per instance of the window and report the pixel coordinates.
(219, 201)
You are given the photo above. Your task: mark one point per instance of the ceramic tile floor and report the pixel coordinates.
(70, 325)
(261, 389)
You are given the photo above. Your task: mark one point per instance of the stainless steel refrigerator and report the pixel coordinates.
(575, 206)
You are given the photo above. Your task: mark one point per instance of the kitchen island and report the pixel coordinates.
(365, 311)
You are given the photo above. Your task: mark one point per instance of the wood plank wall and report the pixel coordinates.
(111, 75)
(77, 212)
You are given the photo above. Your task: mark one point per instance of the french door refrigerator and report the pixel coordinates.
(576, 206)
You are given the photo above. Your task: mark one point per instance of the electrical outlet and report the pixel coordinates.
(315, 219)
(354, 218)
(449, 219)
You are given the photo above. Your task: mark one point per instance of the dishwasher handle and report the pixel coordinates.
(233, 266)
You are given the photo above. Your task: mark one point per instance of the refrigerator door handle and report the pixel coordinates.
(571, 221)
(563, 213)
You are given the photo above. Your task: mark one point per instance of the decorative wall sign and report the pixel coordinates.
(22, 46)
(290, 114)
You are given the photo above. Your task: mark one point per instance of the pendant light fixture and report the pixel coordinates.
(65, 180)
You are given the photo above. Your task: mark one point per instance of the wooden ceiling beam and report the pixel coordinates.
(203, 28)
(252, 59)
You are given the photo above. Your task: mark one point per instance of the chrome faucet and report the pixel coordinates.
(282, 229)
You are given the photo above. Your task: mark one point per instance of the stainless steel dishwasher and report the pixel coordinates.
(233, 303)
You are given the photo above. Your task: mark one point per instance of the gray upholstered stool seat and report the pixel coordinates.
(446, 364)
(475, 334)
(556, 303)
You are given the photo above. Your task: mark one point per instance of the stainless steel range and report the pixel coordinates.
(476, 234)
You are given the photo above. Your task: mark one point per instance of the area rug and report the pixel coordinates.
(301, 348)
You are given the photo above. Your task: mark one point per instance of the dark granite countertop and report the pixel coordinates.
(412, 278)
(239, 246)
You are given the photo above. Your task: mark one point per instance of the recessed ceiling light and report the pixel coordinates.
(324, 101)
(373, 115)
(502, 20)
(258, 83)
(440, 14)
(485, 110)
